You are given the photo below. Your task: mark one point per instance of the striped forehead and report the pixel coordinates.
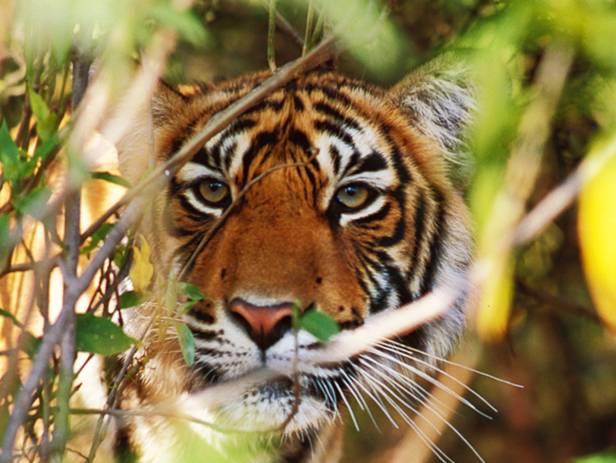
(350, 145)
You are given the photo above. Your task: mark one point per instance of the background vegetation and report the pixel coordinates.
(545, 135)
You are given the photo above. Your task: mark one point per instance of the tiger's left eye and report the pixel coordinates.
(214, 191)
(353, 196)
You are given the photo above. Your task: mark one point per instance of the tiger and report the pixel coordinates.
(331, 194)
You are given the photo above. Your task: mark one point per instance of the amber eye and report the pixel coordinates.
(215, 192)
(353, 196)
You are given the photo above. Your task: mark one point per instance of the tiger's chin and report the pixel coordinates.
(274, 408)
(270, 408)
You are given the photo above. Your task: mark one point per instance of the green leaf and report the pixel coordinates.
(187, 342)
(46, 121)
(319, 324)
(43, 150)
(191, 292)
(10, 316)
(99, 235)
(30, 344)
(131, 299)
(33, 203)
(13, 168)
(99, 335)
(185, 22)
(111, 178)
(5, 234)
(607, 457)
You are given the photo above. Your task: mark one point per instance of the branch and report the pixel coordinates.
(219, 121)
(72, 240)
(74, 289)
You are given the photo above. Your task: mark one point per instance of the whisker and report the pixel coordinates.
(438, 415)
(348, 406)
(359, 399)
(440, 384)
(376, 400)
(414, 389)
(402, 346)
(396, 396)
(330, 394)
(442, 456)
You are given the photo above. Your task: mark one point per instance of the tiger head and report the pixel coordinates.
(330, 194)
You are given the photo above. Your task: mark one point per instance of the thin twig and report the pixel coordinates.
(309, 27)
(51, 338)
(271, 32)
(219, 121)
(72, 240)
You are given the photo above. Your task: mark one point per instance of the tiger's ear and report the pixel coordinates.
(136, 149)
(439, 100)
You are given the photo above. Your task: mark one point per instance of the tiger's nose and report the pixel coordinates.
(265, 324)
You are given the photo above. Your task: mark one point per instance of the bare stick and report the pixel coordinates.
(72, 240)
(561, 197)
(271, 32)
(75, 288)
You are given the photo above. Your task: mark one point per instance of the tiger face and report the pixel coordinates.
(330, 194)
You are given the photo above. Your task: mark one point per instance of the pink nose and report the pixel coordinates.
(265, 324)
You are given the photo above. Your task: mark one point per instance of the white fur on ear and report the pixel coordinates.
(439, 99)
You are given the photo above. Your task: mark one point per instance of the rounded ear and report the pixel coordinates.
(136, 148)
(439, 100)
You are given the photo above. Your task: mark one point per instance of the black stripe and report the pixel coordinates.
(378, 215)
(209, 335)
(330, 93)
(227, 156)
(397, 280)
(298, 103)
(335, 131)
(335, 155)
(266, 104)
(371, 163)
(195, 213)
(236, 127)
(418, 224)
(328, 110)
(260, 140)
(434, 256)
(299, 138)
(398, 234)
(352, 162)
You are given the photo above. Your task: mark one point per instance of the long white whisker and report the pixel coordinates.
(352, 389)
(437, 414)
(399, 381)
(376, 400)
(410, 349)
(438, 383)
(418, 392)
(358, 397)
(348, 406)
(331, 395)
(443, 372)
(442, 456)
(394, 395)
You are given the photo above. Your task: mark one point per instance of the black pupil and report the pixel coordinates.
(215, 186)
(351, 190)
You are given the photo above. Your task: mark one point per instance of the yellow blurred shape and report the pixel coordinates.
(495, 299)
(597, 230)
(142, 269)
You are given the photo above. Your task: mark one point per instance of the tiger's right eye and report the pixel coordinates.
(215, 192)
(353, 196)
